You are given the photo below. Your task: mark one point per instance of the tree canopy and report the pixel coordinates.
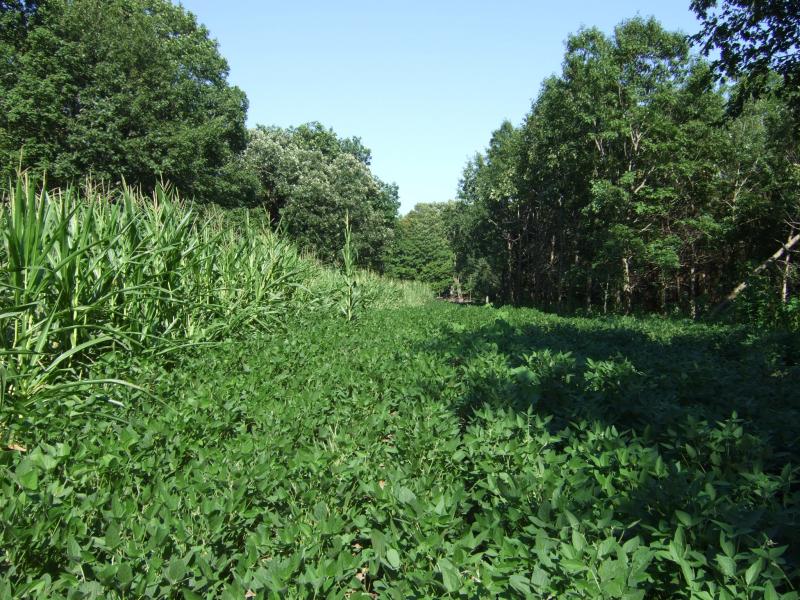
(752, 36)
(629, 185)
(421, 249)
(132, 89)
(309, 178)
(640, 179)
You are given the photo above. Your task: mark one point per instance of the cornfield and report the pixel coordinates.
(91, 271)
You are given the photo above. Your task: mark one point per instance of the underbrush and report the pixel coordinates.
(437, 451)
(325, 287)
(764, 304)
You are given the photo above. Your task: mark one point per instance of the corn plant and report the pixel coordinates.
(97, 270)
(351, 296)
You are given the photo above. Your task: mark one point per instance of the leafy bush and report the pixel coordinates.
(762, 305)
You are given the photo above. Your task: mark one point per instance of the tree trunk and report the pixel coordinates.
(510, 268)
(589, 292)
(627, 289)
(785, 282)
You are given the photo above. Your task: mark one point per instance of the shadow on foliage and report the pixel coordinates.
(644, 376)
(706, 419)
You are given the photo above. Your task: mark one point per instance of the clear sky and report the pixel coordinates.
(423, 83)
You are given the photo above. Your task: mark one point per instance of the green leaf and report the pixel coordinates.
(631, 545)
(112, 538)
(769, 592)
(124, 574)
(450, 575)
(176, 570)
(711, 491)
(106, 573)
(777, 551)
(73, 549)
(405, 495)
(606, 547)
(754, 571)
(540, 579)
(378, 542)
(573, 566)
(727, 565)
(520, 583)
(573, 520)
(578, 541)
(42, 460)
(727, 545)
(611, 570)
(393, 558)
(612, 588)
(678, 541)
(27, 475)
(321, 511)
(688, 571)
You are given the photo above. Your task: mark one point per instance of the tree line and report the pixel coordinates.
(639, 180)
(644, 177)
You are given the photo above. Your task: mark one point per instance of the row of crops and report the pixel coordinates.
(99, 272)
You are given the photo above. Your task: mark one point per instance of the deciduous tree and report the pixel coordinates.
(309, 178)
(132, 89)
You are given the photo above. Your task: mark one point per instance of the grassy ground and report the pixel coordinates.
(420, 452)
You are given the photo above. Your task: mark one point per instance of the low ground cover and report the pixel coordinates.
(429, 451)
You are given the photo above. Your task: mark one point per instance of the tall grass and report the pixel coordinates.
(86, 272)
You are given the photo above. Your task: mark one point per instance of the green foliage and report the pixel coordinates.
(421, 250)
(753, 37)
(119, 272)
(323, 290)
(185, 414)
(629, 186)
(351, 293)
(131, 89)
(438, 451)
(309, 178)
(762, 304)
(485, 223)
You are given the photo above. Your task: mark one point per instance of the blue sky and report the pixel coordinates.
(422, 83)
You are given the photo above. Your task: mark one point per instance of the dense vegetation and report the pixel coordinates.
(209, 398)
(637, 181)
(136, 91)
(754, 38)
(308, 178)
(438, 451)
(87, 275)
(631, 184)
(420, 250)
(131, 89)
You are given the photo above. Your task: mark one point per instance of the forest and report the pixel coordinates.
(230, 368)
